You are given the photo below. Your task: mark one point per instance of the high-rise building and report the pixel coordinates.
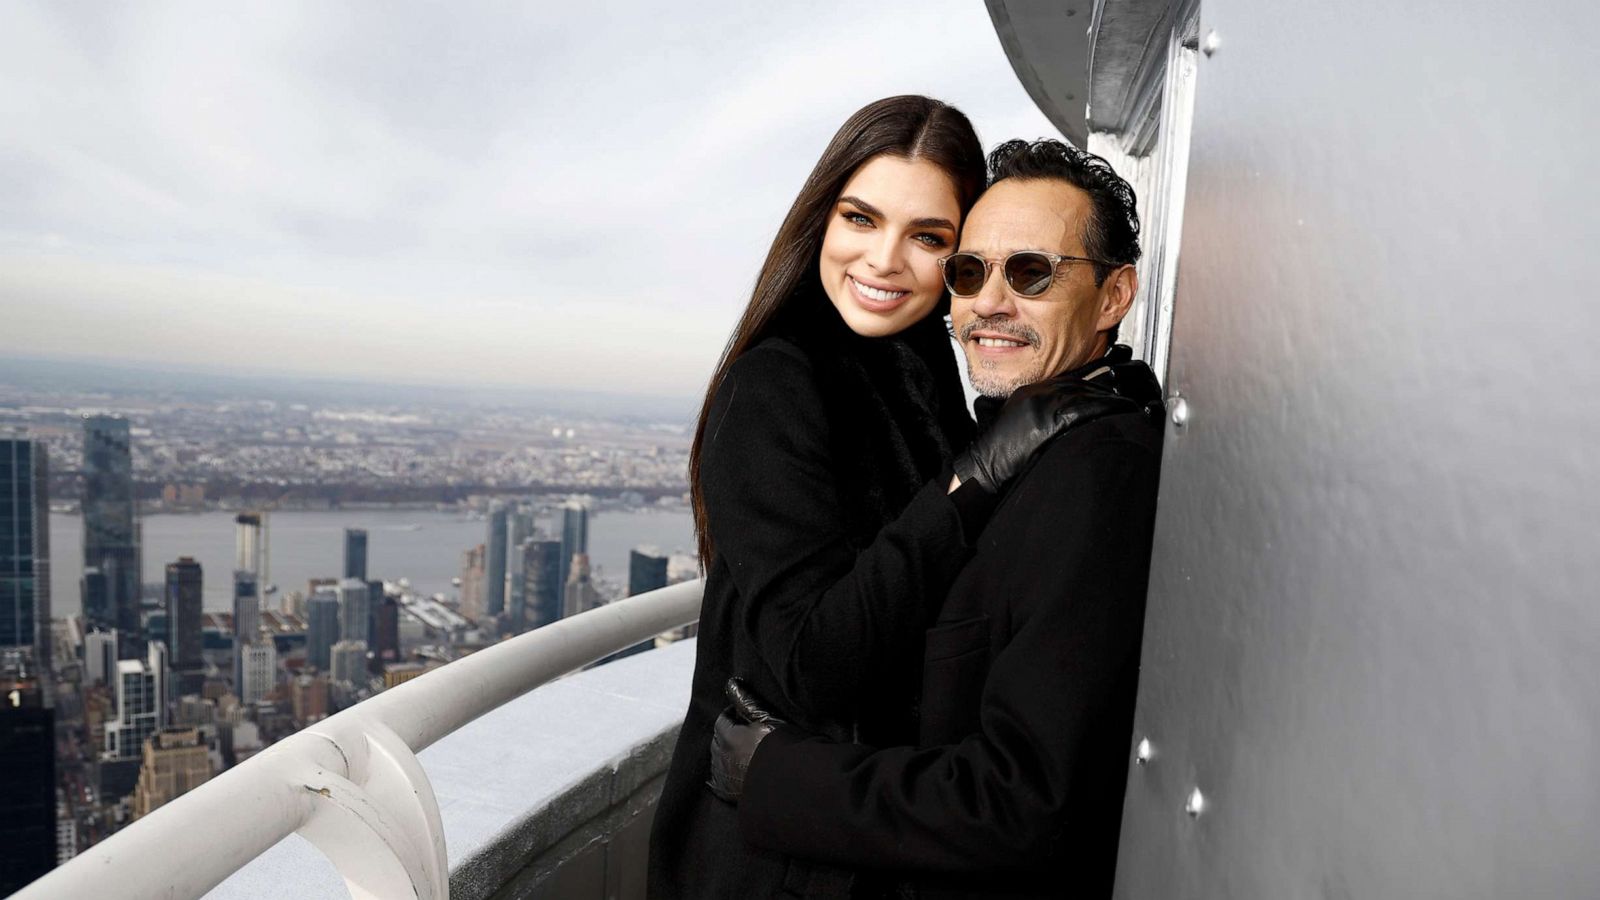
(521, 526)
(252, 548)
(25, 551)
(27, 757)
(647, 570)
(355, 610)
(386, 633)
(246, 606)
(542, 589)
(349, 663)
(574, 535)
(258, 671)
(322, 626)
(308, 694)
(355, 553)
(141, 703)
(176, 761)
(580, 595)
(473, 576)
(110, 529)
(375, 596)
(100, 656)
(494, 569)
(184, 599)
(98, 613)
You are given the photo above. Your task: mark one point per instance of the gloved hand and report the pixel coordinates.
(1033, 416)
(734, 739)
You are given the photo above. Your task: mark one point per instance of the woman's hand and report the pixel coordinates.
(1032, 417)
(734, 739)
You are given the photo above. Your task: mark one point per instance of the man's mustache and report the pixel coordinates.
(1004, 326)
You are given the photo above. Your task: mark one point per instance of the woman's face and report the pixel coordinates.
(880, 254)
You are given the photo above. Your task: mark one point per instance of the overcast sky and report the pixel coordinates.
(572, 194)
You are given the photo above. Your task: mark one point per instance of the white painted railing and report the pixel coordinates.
(351, 783)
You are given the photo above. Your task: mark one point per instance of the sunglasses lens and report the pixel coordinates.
(964, 274)
(1029, 274)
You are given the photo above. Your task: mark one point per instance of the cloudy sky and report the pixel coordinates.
(529, 194)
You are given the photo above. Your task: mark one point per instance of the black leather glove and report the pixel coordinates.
(734, 739)
(1033, 416)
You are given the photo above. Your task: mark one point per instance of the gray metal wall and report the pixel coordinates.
(1374, 627)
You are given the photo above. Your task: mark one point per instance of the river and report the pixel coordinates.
(424, 546)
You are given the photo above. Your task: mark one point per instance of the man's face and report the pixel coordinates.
(1011, 340)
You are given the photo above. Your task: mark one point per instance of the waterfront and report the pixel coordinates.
(424, 546)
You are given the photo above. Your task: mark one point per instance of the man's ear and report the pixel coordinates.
(1116, 296)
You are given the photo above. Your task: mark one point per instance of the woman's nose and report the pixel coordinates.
(885, 256)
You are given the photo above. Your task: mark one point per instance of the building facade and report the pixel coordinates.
(25, 549)
(322, 627)
(494, 569)
(355, 553)
(184, 600)
(176, 761)
(110, 527)
(141, 703)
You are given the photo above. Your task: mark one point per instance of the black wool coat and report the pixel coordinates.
(824, 471)
(1014, 787)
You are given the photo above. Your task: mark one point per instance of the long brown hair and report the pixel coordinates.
(910, 127)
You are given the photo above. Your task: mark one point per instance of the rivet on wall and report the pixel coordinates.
(1180, 410)
(1144, 753)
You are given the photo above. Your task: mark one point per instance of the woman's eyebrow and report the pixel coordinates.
(869, 209)
(863, 205)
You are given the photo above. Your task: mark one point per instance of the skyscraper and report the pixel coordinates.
(246, 606)
(580, 595)
(473, 574)
(183, 608)
(100, 657)
(355, 609)
(386, 633)
(25, 550)
(375, 597)
(349, 663)
(574, 535)
(258, 671)
(494, 569)
(322, 626)
(110, 530)
(175, 762)
(541, 586)
(647, 570)
(98, 610)
(521, 528)
(141, 703)
(252, 545)
(355, 553)
(27, 757)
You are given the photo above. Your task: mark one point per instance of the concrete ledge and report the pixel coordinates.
(550, 795)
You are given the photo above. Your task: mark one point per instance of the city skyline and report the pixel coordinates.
(428, 198)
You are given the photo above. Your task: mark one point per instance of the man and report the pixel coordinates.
(1029, 674)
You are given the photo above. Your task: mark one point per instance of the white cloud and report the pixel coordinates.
(573, 195)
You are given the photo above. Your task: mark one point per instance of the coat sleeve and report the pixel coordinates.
(1001, 797)
(819, 613)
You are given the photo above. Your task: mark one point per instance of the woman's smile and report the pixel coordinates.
(877, 298)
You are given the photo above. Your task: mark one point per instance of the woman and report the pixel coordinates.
(819, 475)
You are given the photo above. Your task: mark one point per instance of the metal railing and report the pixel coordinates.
(351, 783)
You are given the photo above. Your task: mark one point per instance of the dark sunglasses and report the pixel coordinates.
(1028, 272)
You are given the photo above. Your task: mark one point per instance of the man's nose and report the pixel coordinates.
(994, 299)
